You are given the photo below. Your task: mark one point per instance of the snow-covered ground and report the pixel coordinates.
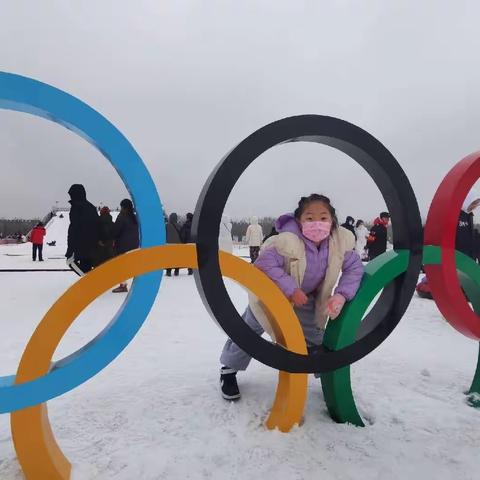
(156, 412)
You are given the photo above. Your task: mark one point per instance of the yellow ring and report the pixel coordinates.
(37, 450)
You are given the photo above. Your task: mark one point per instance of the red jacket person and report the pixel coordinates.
(36, 237)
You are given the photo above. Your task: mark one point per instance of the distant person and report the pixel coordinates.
(254, 238)
(186, 233)
(105, 236)
(273, 232)
(361, 232)
(225, 241)
(349, 225)
(465, 240)
(173, 236)
(82, 232)
(37, 236)
(377, 239)
(126, 234)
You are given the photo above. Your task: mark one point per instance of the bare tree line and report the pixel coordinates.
(16, 225)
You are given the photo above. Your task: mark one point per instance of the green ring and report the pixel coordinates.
(336, 385)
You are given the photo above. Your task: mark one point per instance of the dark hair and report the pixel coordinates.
(359, 222)
(384, 215)
(127, 205)
(39, 224)
(315, 197)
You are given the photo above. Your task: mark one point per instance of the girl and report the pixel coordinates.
(125, 231)
(304, 260)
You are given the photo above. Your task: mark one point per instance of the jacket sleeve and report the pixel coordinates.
(352, 273)
(272, 264)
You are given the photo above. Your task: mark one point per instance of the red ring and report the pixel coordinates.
(440, 230)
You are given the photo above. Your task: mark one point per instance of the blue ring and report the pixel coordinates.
(30, 96)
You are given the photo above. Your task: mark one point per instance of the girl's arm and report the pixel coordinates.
(352, 273)
(272, 264)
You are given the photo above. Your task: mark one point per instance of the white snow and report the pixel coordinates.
(156, 412)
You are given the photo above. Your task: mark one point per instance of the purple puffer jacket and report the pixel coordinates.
(272, 263)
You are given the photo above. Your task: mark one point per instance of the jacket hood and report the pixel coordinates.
(173, 218)
(379, 221)
(288, 223)
(77, 193)
(254, 220)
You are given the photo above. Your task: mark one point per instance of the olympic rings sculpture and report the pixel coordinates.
(352, 336)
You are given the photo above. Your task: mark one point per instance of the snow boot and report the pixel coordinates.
(120, 289)
(228, 384)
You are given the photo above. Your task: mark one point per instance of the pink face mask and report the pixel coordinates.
(316, 231)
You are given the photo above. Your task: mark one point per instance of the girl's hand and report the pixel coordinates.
(299, 298)
(334, 305)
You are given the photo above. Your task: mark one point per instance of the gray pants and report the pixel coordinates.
(234, 357)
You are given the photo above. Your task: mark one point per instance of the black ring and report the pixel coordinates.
(389, 177)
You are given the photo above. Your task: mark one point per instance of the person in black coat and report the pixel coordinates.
(377, 240)
(105, 233)
(476, 245)
(186, 233)
(125, 233)
(349, 225)
(173, 236)
(272, 233)
(465, 239)
(82, 232)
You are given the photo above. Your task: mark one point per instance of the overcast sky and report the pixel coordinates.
(185, 81)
